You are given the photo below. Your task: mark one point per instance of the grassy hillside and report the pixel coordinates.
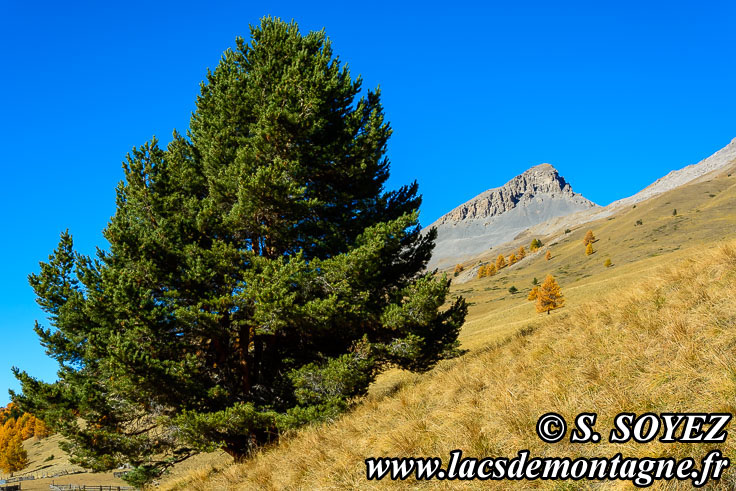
(706, 213)
(48, 464)
(663, 344)
(655, 332)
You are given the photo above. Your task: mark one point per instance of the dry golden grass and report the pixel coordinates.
(663, 344)
(706, 214)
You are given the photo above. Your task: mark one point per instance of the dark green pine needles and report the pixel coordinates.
(258, 277)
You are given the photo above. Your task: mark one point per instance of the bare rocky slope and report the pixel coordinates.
(498, 215)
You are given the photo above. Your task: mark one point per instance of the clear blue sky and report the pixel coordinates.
(613, 94)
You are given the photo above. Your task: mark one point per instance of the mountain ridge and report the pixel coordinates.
(684, 175)
(542, 178)
(705, 169)
(499, 214)
(540, 202)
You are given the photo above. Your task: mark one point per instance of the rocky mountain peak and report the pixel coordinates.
(542, 179)
(498, 215)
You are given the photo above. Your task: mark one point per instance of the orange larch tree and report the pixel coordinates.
(25, 426)
(40, 430)
(533, 294)
(16, 426)
(589, 237)
(13, 457)
(549, 296)
(521, 253)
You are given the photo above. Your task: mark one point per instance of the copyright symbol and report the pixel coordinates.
(551, 427)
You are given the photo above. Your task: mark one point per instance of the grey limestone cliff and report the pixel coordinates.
(498, 215)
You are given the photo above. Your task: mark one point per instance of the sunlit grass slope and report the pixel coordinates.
(661, 344)
(45, 458)
(705, 214)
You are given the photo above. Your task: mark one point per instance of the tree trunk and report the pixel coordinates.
(245, 362)
(238, 455)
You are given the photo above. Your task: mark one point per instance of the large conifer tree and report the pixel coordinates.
(258, 277)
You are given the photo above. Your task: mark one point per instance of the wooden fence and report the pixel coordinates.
(88, 487)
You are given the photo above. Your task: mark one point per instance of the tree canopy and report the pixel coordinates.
(500, 262)
(258, 275)
(16, 426)
(549, 296)
(589, 238)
